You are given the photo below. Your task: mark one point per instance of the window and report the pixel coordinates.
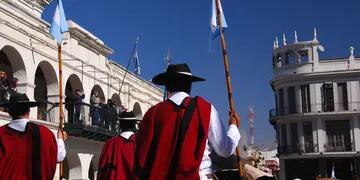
(342, 97)
(327, 97)
(305, 98)
(304, 57)
(338, 136)
(294, 137)
(281, 102)
(290, 58)
(292, 100)
(308, 137)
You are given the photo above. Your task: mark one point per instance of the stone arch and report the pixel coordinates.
(99, 90)
(116, 99)
(12, 63)
(73, 83)
(46, 89)
(137, 110)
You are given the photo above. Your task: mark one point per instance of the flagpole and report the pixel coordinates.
(61, 116)
(228, 81)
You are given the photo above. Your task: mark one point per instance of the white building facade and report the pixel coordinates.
(317, 114)
(29, 53)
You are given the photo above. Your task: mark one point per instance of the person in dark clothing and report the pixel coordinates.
(77, 100)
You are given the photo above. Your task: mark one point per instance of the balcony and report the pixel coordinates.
(339, 146)
(84, 120)
(300, 149)
(314, 108)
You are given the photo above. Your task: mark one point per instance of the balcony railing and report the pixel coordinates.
(85, 120)
(315, 108)
(308, 148)
(339, 146)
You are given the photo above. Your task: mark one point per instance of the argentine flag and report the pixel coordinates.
(215, 27)
(59, 25)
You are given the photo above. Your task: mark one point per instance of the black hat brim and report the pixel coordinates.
(164, 78)
(129, 119)
(22, 103)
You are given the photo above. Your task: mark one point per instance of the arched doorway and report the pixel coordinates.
(115, 98)
(73, 83)
(98, 90)
(46, 90)
(137, 111)
(11, 63)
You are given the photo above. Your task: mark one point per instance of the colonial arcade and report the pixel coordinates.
(29, 54)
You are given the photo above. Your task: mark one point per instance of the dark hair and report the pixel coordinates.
(179, 84)
(16, 112)
(127, 125)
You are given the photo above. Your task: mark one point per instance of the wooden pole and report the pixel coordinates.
(228, 80)
(61, 116)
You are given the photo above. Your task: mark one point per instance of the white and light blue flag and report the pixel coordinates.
(59, 25)
(135, 58)
(214, 26)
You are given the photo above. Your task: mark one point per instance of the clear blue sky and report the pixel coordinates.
(183, 27)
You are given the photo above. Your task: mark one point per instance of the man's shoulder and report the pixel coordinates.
(202, 101)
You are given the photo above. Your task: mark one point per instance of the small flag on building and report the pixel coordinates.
(135, 59)
(59, 25)
(214, 25)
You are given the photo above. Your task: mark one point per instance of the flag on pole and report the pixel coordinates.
(214, 25)
(59, 25)
(135, 59)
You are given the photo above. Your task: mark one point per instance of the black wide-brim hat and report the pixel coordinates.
(20, 100)
(176, 72)
(128, 116)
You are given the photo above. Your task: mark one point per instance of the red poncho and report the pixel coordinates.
(17, 156)
(156, 155)
(117, 159)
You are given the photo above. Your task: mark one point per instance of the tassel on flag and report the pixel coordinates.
(215, 29)
(59, 25)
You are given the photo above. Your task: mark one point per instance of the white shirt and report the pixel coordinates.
(126, 134)
(223, 142)
(20, 125)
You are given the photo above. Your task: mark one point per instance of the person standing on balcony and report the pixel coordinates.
(117, 157)
(176, 136)
(94, 109)
(77, 101)
(27, 150)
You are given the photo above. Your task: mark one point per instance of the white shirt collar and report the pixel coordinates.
(178, 97)
(18, 124)
(126, 134)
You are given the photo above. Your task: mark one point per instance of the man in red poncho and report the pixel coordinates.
(117, 157)
(27, 151)
(177, 136)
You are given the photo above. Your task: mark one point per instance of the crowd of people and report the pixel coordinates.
(174, 140)
(102, 114)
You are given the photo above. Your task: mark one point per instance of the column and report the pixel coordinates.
(282, 169)
(301, 136)
(85, 160)
(356, 125)
(336, 97)
(321, 134)
(53, 115)
(315, 97)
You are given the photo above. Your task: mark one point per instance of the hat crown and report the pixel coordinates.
(18, 97)
(178, 68)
